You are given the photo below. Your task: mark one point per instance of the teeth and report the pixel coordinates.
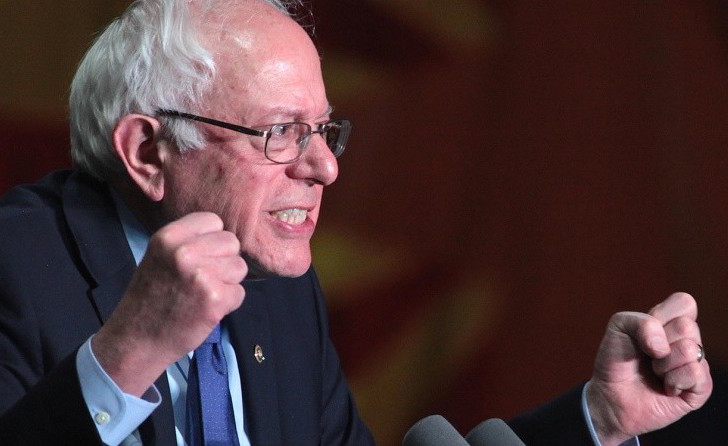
(291, 216)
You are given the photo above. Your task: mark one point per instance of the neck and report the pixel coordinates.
(148, 212)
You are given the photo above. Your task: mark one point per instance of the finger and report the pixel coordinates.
(646, 331)
(682, 353)
(201, 222)
(205, 249)
(235, 297)
(190, 225)
(682, 328)
(676, 305)
(231, 269)
(692, 382)
(212, 298)
(205, 279)
(213, 244)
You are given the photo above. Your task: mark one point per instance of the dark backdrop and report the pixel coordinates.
(519, 170)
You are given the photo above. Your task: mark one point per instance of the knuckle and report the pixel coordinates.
(617, 319)
(169, 231)
(683, 326)
(160, 238)
(201, 281)
(241, 265)
(213, 295)
(693, 369)
(685, 299)
(685, 349)
(183, 257)
(689, 301)
(693, 372)
(205, 218)
(238, 296)
(648, 327)
(232, 240)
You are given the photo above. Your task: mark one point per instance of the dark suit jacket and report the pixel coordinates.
(64, 264)
(557, 423)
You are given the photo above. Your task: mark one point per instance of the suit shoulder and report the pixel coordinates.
(26, 199)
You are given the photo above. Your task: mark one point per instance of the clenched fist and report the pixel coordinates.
(649, 372)
(188, 280)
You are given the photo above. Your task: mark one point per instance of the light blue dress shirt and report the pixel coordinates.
(585, 409)
(117, 415)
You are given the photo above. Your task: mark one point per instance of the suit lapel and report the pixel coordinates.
(249, 328)
(104, 250)
(100, 240)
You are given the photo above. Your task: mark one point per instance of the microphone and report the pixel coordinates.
(493, 432)
(433, 431)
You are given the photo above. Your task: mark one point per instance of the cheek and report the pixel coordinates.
(314, 214)
(201, 183)
(235, 187)
(218, 173)
(204, 186)
(238, 195)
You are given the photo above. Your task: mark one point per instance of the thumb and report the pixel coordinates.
(643, 330)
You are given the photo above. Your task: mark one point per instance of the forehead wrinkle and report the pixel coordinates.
(288, 113)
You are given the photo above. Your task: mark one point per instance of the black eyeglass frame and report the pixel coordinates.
(344, 126)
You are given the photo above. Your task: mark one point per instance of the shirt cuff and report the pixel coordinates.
(116, 414)
(585, 410)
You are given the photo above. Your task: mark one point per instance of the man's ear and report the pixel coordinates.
(137, 143)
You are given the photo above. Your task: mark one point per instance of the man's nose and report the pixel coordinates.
(317, 162)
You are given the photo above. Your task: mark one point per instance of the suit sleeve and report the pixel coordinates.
(37, 407)
(40, 404)
(51, 412)
(559, 422)
(341, 424)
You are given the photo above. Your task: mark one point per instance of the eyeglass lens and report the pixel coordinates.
(286, 141)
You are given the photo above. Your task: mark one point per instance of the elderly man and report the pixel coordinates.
(162, 293)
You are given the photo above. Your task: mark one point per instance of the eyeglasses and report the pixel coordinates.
(284, 143)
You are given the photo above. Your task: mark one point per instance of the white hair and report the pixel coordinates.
(150, 58)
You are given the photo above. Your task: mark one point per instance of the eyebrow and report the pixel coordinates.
(329, 110)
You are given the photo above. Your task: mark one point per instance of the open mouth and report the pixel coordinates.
(291, 216)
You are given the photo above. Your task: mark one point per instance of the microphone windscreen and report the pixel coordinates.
(433, 431)
(493, 432)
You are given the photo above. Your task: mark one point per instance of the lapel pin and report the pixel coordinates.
(259, 354)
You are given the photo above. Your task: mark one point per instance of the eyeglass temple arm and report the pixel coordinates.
(215, 122)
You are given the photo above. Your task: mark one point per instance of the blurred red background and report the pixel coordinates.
(518, 171)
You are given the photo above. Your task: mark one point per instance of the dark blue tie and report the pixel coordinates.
(210, 420)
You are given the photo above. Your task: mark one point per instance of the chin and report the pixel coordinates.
(263, 270)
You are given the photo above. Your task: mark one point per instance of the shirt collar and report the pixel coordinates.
(136, 234)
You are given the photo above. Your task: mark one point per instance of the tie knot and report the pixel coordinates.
(214, 337)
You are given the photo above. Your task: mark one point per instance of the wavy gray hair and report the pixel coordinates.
(147, 59)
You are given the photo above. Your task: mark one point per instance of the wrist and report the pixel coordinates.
(133, 373)
(603, 418)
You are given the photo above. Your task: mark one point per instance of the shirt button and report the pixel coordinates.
(102, 418)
